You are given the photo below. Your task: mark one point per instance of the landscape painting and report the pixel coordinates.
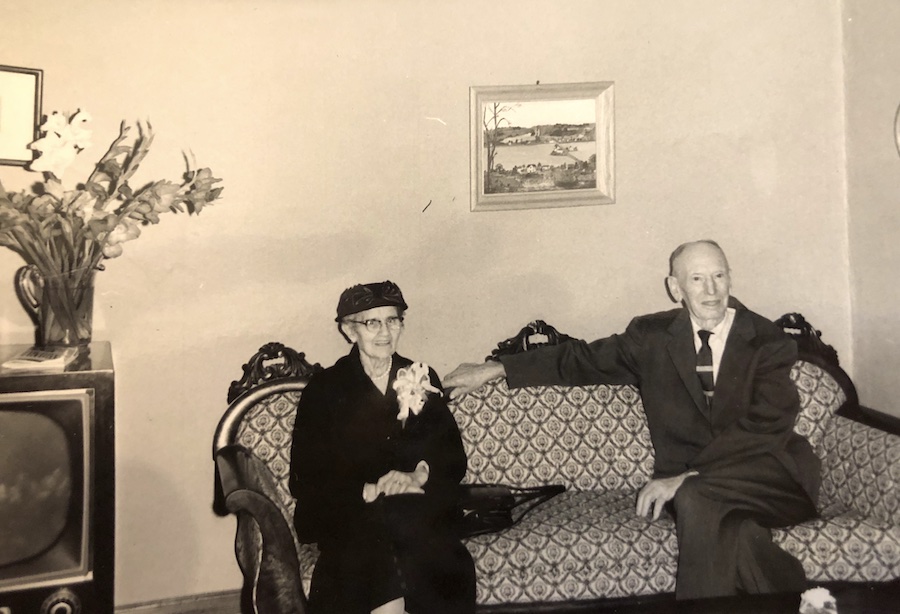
(542, 146)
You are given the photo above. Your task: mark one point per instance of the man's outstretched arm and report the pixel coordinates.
(573, 363)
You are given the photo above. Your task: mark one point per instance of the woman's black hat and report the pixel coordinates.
(362, 297)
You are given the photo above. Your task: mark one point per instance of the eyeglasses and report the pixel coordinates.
(373, 325)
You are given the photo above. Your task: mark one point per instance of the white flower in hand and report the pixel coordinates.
(413, 384)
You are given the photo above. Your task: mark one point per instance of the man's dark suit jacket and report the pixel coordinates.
(755, 402)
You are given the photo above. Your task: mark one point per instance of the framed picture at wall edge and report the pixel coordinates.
(542, 145)
(21, 90)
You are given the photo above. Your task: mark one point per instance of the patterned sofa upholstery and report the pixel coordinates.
(588, 543)
(583, 547)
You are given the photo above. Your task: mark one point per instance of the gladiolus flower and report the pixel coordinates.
(126, 230)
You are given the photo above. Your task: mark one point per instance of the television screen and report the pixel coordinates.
(36, 484)
(44, 486)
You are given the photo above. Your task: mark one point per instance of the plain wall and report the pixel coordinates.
(334, 124)
(872, 58)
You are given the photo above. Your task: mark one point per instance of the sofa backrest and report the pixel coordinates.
(592, 437)
(584, 437)
(267, 430)
(821, 395)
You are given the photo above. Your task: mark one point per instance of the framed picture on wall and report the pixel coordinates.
(20, 113)
(536, 146)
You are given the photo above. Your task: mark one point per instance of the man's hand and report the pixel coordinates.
(470, 376)
(656, 493)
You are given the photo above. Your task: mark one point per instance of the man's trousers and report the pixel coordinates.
(723, 519)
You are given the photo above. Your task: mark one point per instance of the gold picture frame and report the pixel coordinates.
(538, 146)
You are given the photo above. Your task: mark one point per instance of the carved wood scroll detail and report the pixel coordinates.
(272, 361)
(809, 340)
(536, 334)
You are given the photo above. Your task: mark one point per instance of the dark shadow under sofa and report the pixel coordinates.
(585, 549)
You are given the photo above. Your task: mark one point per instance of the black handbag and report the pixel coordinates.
(488, 508)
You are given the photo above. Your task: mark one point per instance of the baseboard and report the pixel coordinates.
(225, 602)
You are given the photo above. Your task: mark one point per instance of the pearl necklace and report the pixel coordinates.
(375, 378)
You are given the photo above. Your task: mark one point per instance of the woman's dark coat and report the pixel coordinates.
(346, 435)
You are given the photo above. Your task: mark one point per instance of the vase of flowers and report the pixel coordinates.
(65, 235)
(61, 306)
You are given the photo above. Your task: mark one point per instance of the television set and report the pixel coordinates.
(57, 488)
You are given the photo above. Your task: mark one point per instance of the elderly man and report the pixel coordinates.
(715, 383)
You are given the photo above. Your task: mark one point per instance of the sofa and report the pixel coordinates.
(584, 549)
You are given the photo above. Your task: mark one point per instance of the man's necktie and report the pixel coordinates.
(705, 366)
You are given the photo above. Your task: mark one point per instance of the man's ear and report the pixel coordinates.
(672, 289)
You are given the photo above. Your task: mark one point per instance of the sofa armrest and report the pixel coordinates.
(862, 468)
(265, 546)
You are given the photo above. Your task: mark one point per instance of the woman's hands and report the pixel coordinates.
(398, 483)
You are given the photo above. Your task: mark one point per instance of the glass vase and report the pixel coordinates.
(61, 305)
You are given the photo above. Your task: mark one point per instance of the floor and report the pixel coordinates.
(851, 599)
(213, 603)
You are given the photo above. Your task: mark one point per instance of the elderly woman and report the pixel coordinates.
(375, 467)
